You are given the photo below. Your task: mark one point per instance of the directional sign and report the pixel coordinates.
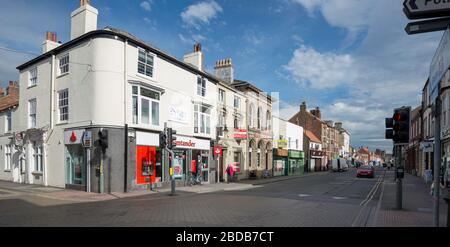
(418, 9)
(426, 26)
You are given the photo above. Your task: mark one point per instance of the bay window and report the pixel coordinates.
(145, 108)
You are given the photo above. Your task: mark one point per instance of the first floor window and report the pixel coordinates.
(37, 157)
(202, 119)
(145, 106)
(237, 157)
(7, 157)
(32, 113)
(63, 105)
(237, 102)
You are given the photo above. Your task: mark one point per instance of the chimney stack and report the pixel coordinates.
(316, 112)
(83, 19)
(303, 107)
(338, 125)
(50, 42)
(195, 58)
(224, 70)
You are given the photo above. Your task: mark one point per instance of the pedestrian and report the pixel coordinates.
(193, 171)
(228, 172)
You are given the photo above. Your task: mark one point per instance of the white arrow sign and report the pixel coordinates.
(415, 9)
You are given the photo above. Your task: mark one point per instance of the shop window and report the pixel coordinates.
(75, 165)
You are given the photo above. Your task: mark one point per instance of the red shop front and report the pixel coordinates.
(148, 159)
(145, 165)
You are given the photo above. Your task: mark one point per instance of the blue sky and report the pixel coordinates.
(351, 58)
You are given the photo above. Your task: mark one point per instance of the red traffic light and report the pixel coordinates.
(397, 116)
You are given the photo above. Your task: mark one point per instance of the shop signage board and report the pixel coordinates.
(73, 137)
(240, 134)
(282, 143)
(217, 150)
(427, 146)
(147, 139)
(192, 143)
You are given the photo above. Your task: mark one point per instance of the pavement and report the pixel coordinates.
(417, 204)
(322, 199)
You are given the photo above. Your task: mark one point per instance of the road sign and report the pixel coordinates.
(217, 150)
(87, 139)
(418, 9)
(426, 26)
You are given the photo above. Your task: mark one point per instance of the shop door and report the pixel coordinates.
(205, 169)
(222, 168)
(146, 165)
(75, 165)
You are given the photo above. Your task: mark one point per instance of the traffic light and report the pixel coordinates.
(162, 140)
(398, 126)
(171, 138)
(103, 138)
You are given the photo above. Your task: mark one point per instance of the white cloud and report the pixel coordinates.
(192, 39)
(320, 71)
(200, 14)
(387, 70)
(147, 5)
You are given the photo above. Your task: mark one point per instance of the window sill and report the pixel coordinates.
(146, 77)
(6, 170)
(32, 86)
(62, 75)
(37, 173)
(62, 123)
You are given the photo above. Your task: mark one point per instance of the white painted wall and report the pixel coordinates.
(100, 94)
(295, 133)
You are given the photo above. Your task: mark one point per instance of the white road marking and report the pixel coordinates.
(304, 195)
(339, 198)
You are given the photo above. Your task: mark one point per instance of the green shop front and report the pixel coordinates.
(296, 162)
(280, 162)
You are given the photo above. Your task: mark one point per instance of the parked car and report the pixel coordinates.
(365, 171)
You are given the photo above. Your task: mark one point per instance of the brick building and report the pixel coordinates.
(312, 125)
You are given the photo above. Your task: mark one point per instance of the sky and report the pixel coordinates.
(350, 58)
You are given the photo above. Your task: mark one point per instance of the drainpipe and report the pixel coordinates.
(125, 84)
(52, 90)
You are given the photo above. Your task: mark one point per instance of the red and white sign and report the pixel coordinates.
(240, 134)
(217, 150)
(73, 136)
(192, 143)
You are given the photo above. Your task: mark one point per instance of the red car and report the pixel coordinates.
(365, 171)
